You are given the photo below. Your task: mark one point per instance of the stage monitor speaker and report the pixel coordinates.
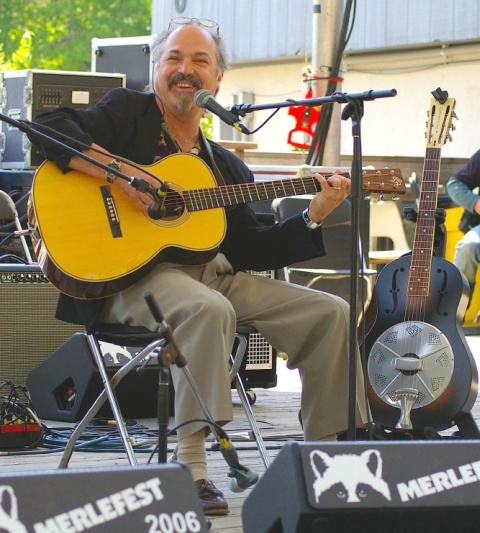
(368, 486)
(64, 386)
(29, 330)
(144, 498)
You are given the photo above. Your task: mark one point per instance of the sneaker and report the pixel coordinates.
(213, 501)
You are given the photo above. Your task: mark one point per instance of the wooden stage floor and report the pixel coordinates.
(276, 411)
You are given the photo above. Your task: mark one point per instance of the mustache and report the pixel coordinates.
(182, 77)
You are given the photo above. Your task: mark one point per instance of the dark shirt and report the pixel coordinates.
(129, 124)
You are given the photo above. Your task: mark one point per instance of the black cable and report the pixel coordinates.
(10, 258)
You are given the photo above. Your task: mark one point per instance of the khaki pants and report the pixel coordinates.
(204, 303)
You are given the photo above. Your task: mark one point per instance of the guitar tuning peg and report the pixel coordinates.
(395, 197)
(381, 197)
(453, 127)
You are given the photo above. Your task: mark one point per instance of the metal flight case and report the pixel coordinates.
(24, 94)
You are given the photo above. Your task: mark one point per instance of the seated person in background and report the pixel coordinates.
(203, 299)
(460, 188)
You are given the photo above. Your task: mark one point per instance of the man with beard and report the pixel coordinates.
(204, 298)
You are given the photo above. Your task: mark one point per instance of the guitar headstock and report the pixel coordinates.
(383, 181)
(440, 116)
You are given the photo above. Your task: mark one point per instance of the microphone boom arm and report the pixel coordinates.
(336, 97)
(27, 127)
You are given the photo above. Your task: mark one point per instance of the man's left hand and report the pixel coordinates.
(334, 190)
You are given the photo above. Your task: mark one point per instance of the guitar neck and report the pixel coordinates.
(228, 195)
(439, 125)
(422, 251)
(384, 181)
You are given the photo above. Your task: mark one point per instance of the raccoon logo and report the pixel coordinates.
(114, 354)
(351, 472)
(9, 511)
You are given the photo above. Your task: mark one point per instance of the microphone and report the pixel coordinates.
(156, 209)
(205, 99)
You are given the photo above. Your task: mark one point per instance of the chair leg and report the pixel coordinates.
(252, 421)
(107, 393)
(236, 361)
(112, 399)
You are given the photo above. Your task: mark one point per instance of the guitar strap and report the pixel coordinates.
(216, 171)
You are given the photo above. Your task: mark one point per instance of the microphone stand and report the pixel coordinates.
(240, 476)
(353, 110)
(27, 127)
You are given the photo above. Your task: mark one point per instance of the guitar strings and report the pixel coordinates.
(419, 278)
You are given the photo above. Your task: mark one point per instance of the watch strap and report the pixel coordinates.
(309, 222)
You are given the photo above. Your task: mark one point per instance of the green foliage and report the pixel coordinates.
(57, 34)
(206, 125)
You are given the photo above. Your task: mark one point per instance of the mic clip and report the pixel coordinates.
(156, 209)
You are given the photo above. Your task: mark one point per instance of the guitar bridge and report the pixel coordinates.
(111, 211)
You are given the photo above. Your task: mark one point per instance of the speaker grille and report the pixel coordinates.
(260, 355)
(29, 330)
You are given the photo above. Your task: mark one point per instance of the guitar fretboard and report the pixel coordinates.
(419, 278)
(227, 195)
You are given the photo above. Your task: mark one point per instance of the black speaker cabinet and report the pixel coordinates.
(108, 500)
(29, 330)
(366, 487)
(64, 386)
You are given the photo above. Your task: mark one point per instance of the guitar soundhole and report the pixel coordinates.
(394, 292)
(174, 205)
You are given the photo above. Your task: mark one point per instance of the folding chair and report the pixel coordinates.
(153, 342)
(337, 238)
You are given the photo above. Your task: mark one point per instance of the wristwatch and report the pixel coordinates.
(309, 222)
(116, 165)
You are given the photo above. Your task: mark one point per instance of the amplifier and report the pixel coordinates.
(26, 93)
(261, 366)
(29, 330)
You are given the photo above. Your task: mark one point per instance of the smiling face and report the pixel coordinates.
(187, 63)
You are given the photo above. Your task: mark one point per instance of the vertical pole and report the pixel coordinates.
(326, 21)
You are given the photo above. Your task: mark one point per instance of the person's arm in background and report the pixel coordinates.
(460, 186)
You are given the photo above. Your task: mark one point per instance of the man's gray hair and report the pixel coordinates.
(159, 41)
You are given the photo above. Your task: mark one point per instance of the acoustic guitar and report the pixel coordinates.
(421, 372)
(92, 241)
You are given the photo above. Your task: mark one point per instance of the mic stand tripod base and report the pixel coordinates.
(242, 477)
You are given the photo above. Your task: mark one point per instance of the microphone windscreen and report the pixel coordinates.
(201, 97)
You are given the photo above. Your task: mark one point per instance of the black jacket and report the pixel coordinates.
(128, 123)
